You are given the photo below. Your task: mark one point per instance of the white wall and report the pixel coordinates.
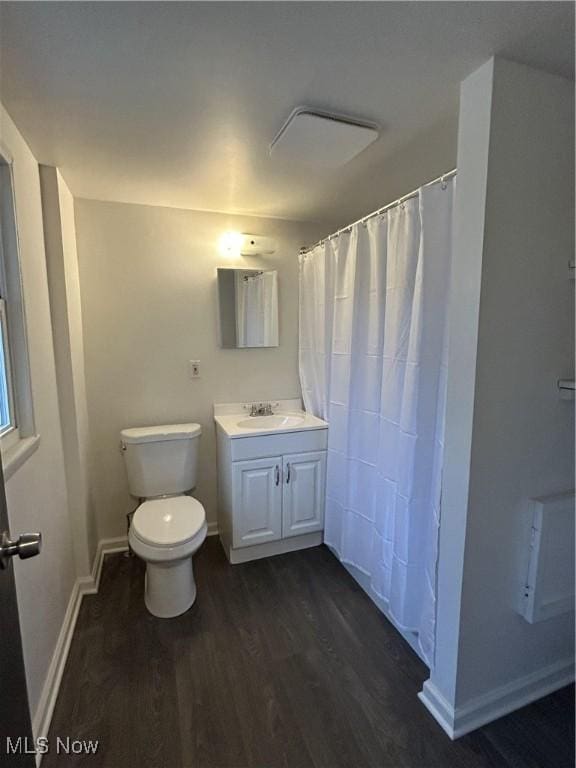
(36, 492)
(65, 305)
(149, 303)
(466, 271)
(509, 437)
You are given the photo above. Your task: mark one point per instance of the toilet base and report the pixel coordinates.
(170, 588)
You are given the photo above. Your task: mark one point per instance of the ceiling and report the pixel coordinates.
(176, 104)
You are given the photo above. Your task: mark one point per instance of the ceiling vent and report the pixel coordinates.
(320, 139)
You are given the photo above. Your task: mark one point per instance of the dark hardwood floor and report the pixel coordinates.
(280, 663)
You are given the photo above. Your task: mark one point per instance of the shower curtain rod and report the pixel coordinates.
(399, 201)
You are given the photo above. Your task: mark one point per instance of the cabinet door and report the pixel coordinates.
(257, 501)
(304, 478)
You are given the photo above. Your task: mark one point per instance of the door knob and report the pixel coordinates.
(27, 545)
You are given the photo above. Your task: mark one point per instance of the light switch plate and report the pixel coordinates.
(194, 369)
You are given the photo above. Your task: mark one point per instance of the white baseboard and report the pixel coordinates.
(106, 547)
(45, 708)
(496, 703)
(213, 528)
(84, 585)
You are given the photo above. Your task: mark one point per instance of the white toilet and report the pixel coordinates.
(168, 527)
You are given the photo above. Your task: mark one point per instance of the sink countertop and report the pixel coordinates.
(227, 416)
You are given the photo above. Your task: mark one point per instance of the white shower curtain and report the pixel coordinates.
(373, 363)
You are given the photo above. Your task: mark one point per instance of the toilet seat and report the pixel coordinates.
(168, 522)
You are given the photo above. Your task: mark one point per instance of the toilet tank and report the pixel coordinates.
(161, 461)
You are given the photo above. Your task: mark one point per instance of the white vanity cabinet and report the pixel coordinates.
(270, 491)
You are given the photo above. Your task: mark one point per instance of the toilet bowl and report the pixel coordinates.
(169, 526)
(166, 533)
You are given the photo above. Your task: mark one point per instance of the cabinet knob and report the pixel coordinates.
(277, 475)
(288, 473)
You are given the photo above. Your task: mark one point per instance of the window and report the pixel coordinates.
(17, 433)
(7, 416)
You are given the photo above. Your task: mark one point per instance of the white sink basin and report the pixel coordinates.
(276, 421)
(233, 420)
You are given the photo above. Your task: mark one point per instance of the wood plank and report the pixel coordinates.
(281, 663)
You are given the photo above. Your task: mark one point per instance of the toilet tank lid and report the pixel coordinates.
(161, 433)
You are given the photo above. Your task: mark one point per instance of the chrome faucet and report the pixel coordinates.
(261, 409)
